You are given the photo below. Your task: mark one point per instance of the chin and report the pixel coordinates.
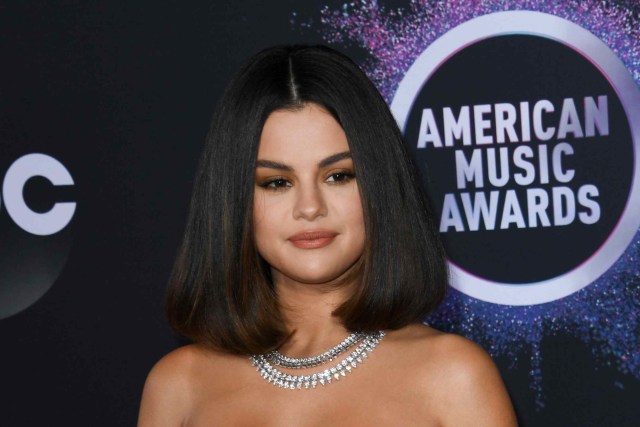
(315, 274)
(314, 269)
(313, 278)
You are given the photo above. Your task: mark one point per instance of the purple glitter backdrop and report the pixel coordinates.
(603, 315)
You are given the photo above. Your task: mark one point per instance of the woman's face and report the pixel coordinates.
(308, 220)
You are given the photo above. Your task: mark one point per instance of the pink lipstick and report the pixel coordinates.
(312, 239)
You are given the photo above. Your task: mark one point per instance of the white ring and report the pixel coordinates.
(596, 51)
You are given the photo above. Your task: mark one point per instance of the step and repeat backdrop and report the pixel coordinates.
(523, 119)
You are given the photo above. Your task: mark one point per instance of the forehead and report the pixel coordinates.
(296, 136)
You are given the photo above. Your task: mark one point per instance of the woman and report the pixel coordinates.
(308, 231)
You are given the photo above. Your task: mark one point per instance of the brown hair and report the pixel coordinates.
(220, 292)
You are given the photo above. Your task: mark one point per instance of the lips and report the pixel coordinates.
(313, 239)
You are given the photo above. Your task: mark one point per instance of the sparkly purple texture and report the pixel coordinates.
(395, 37)
(603, 315)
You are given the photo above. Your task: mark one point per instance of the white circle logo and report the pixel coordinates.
(526, 129)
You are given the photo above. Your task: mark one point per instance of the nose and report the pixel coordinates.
(310, 203)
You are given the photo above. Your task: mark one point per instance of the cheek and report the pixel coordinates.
(267, 221)
(267, 212)
(354, 216)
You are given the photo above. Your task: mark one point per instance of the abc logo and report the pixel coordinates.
(23, 169)
(36, 240)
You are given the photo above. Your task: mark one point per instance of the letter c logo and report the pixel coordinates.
(24, 168)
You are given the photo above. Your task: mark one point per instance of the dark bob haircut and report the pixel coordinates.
(220, 292)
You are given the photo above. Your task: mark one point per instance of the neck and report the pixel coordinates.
(307, 312)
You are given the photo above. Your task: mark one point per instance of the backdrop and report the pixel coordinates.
(522, 118)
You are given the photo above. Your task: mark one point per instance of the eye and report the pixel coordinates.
(340, 177)
(275, 184)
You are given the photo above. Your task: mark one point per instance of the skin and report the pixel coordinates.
(416, 375)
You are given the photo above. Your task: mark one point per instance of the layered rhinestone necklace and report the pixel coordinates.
(266, 363)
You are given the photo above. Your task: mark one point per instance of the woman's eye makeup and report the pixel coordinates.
(340, 177)
(281, 183)
(275, 183)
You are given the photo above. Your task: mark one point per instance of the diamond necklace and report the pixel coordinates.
(278, 359)
(280, 379)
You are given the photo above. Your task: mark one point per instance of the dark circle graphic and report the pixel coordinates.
(520, 125)
(31, 260)
(512, 69)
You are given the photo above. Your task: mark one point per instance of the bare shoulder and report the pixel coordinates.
(169, 389)
(456, 373)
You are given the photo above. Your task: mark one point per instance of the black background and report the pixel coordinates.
(121, 93)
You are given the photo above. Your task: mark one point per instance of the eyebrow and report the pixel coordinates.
(323, 163)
